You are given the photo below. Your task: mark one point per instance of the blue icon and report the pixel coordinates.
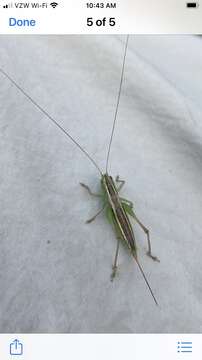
(16, 347)
(184, 347)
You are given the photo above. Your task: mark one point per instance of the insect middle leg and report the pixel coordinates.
(94, 217)
(128, 202)
(93, 194)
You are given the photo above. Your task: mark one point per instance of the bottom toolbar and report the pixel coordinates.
(101, 346)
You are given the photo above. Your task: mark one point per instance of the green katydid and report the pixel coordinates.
(118, 209)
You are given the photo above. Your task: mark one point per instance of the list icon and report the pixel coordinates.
(184, 346)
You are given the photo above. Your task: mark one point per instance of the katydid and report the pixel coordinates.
(118, 209)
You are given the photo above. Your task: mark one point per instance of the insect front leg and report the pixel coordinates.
(121, 182)
(89, 190)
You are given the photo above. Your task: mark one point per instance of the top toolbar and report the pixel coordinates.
(116, 17)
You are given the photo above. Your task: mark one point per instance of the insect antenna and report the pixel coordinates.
(144, 276)
(50, 118)
(117, 104)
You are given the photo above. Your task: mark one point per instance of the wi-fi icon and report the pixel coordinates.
(54, 4)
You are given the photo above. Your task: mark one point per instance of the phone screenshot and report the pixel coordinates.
(100, 180)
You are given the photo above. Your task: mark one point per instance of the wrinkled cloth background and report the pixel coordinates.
(54, 268)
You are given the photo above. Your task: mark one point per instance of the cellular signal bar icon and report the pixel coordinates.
(6, 6)
(184, 347)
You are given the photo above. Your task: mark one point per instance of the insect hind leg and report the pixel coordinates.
(149, 253)
(110, 217)
(114, 266)
(128, 207)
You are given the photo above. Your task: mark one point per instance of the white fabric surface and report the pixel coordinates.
(55, 269)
